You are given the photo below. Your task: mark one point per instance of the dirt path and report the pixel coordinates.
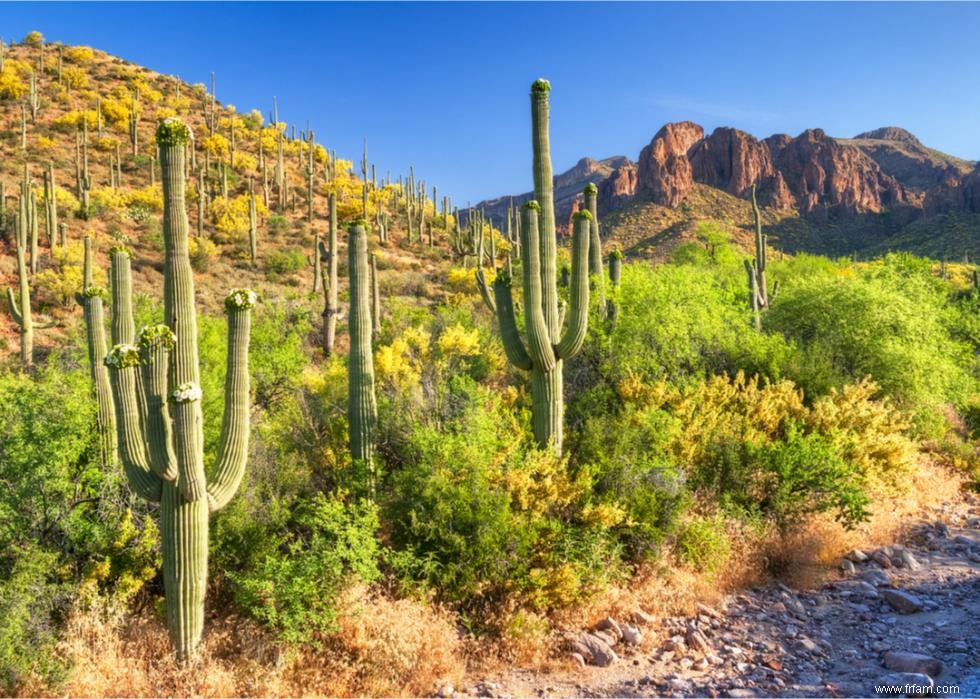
(912, 608)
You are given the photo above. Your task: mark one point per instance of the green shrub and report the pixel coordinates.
(703, 543)
(294, 590)
(279, 263)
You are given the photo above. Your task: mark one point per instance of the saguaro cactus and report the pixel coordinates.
(756, 270)
(91, 300)
(546, 345)
(162, 450)
(362, 408)
(20, 307)
(591, 194)
(329, 253)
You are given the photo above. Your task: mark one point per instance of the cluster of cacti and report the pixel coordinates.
(162, 449)
(547, 345)
(83, 180)
(27, 219)
(362, 409)
(756, 269)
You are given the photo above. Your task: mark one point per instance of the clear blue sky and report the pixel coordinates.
(444, 86)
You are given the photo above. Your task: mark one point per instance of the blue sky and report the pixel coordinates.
(444, 86)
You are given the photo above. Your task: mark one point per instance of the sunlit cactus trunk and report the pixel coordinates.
(91, 300)
(362, 409)
(546, 344)
(161, 441)
(596, 269)
(756, 270)
(20, 305)
(330, 309)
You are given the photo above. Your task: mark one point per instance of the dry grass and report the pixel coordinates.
(385, 647)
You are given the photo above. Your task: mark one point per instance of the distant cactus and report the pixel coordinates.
(375, 295)
(20, 307)
(28, 219)
(162, 449)
(329, 253)
(615, 273)
(546, 344)
(362, 409)
(756, 270)
(134, 123)
(50, 206)
(253, 224)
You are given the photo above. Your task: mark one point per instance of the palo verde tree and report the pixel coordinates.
(162, 450)
(546, 344)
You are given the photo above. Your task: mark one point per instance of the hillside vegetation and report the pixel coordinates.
(409, 510)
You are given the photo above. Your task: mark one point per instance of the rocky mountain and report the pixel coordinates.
(819, 177)
(569, 185)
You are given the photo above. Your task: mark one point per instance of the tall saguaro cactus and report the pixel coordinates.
(329, 253)
(546, 345)
(756, 270)
(362, 408)
(162, 450)
(20, 307)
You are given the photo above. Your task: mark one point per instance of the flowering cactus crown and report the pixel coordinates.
(95, 292)
(172, 132)
(153, 336)
(541, 85)
(186, 393)
(122, 356)
(241, 299)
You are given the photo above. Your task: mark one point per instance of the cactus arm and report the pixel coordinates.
(233, 449)
(509, 335)
(485, 294)
(155, 345)
(14, 310)
(578, 322)
(120, 278)
(123, 361)
(539, 346)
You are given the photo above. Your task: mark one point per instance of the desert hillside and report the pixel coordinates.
(634, 434)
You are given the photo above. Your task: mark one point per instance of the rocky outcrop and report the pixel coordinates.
(664, 172)
(955, 194)
(826, 177)
(618, 188)
(733, 160)
(901, 155)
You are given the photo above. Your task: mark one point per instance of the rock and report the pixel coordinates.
(901, 661)
(907, 560)
(701, 665)
(612, 627)
(674, 644)
(733, 160)
(909, 681)
(664, 172)
(617, 189)
(577, 658)
(708, 611)
(848, 567)
(601, 653)
(882, 559)
(901, 601)
(631, 635)
(856, 556)
(808, 645)
(876, 576)
(696, 640)
(740, 692)
(445, 691)
(641, 618)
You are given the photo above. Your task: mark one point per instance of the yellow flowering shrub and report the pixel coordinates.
(69, 122)
(45, 143)
(14, 79)
(395, 364)
(115, 111)
(458, 341)
(74, 78)
(230, 217)
(216, 144)
(79, 54)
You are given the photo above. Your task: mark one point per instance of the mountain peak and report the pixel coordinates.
(889, 133)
